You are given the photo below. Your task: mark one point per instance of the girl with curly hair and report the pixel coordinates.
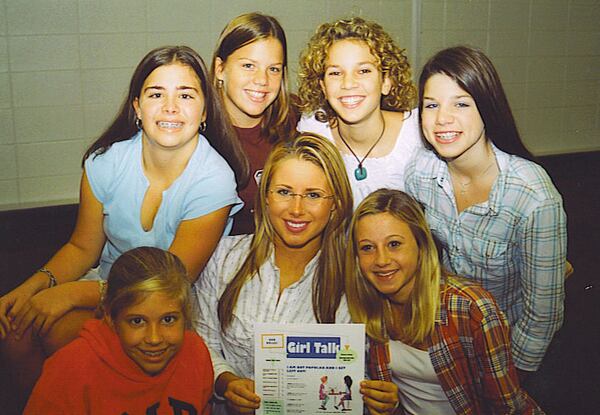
(356, 90)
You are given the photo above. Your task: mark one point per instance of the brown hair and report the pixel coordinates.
(392, 62)
(473, 71)
(278, 120)
(142, 271)
(218, 135)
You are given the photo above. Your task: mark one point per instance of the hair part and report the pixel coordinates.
(328, 281)
(142, 271)
(218, 135)
(278, 120)
(473, 71)
(367, 305)
(391, 60)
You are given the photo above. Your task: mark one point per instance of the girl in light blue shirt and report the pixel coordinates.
(160, 176)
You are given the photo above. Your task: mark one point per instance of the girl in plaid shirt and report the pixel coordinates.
(438, 343)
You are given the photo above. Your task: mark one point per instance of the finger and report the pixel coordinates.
(25, 320)
(46, 325)
(378, 407)
(243, 402)
(380, 385)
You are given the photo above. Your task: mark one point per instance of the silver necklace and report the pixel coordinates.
(360, 173)
(464, 185)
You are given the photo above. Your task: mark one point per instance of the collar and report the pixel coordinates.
(442, 176)
(309, 269)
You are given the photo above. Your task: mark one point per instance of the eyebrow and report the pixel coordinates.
(454, 97)
(357, 64)
(179, 88)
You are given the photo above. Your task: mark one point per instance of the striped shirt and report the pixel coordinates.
(514, 244)
(470, 353)
(259, 301)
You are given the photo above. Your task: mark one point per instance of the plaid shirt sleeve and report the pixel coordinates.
(543, 246)
(500, 385)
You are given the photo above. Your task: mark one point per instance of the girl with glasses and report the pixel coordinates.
(289, 271)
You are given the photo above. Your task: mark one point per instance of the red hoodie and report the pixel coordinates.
(93, 375)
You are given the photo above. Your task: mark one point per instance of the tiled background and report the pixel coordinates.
(65, 65)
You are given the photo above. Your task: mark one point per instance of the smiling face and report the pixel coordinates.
(151, 332)
(388, 255)
(171, 107)
(298, 223)
(252, 77)
(353, 83)
(450, 119)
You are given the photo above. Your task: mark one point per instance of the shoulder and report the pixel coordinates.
(309, 123)
(208, 160)
(230, 250)
(464, 296)
(116, 153)
(527, 178)
(424, 165)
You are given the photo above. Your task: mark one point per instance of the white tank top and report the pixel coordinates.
(420, 389)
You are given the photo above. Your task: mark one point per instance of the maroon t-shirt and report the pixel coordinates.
(257, 149)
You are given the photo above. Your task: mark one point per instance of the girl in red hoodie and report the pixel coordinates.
(140, 358)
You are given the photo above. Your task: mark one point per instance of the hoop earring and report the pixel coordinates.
(138, 123)
(202, 127)
(219, 83)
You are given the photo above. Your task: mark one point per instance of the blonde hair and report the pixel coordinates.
(367, 305)
(391, 60)
(246, 29)
(142, 271)
(328, 282)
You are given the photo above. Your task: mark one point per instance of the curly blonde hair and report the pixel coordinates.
(391, 60)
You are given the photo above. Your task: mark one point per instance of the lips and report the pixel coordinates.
(296, 226)
(153, 355)
(446, 137)
(256, 96)
(351, 101)
(386, 275)
(169, 125)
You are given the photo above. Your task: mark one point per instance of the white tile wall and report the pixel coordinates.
(65, 66)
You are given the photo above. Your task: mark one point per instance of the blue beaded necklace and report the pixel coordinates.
(360, 173)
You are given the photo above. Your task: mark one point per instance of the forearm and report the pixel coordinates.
(71, 262)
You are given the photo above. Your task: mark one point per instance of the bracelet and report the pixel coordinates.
(51, 277)
(102, 287)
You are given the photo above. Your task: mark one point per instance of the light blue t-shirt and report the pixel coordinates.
(118, 182)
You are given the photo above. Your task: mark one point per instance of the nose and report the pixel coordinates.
(443, 116)
(348, 80)
(170, 104)
(260, 77)
(382, 258)
(297, 206)
(153, 334)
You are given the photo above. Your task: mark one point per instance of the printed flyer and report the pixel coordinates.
(309, 368)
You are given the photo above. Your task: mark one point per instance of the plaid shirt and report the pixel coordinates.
(514, 244)
(470, 353)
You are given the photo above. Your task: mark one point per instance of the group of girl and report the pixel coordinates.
(165, 175)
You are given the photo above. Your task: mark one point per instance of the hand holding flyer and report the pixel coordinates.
(309, 368)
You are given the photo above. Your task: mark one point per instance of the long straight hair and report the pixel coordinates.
(473, 71)
(329, 278)
(218, 135)
(279, 119)
(367, 305)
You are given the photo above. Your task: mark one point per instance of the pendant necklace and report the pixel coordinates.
(360, 173)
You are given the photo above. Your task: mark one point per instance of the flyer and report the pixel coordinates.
(309, 368)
